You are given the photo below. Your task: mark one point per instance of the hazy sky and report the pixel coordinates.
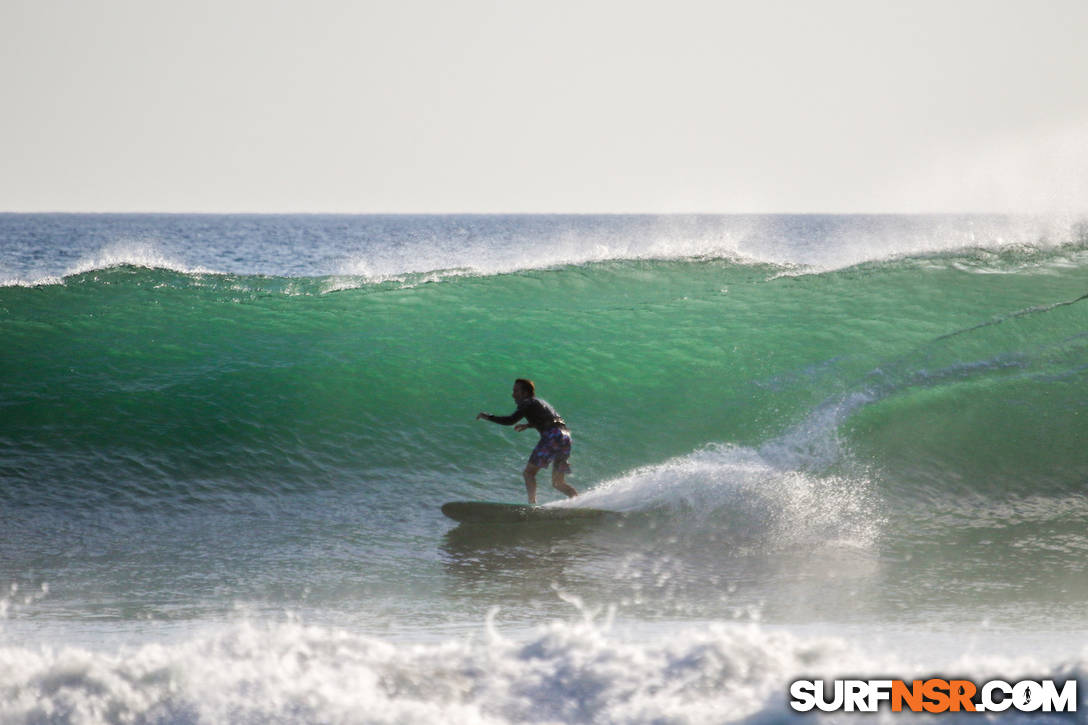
(471, 106)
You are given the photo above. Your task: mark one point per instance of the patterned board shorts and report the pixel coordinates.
(554, 446)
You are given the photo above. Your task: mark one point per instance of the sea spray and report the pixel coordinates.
(864, 427)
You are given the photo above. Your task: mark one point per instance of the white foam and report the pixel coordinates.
(781, 492)
(579, 671)
(725, 486)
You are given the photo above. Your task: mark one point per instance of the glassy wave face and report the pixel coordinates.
(956, 371)
(804, 419)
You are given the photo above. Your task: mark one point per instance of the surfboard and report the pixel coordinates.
(492, 512)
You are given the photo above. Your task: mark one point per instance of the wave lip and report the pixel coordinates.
(137, 254)
(134, 254)
(377, 249)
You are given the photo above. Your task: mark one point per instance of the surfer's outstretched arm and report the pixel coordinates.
(502, 419)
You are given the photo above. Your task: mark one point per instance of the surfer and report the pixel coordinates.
(554, 445)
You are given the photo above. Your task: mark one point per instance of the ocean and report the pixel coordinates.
(844, 446)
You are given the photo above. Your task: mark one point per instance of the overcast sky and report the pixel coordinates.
(549, 106)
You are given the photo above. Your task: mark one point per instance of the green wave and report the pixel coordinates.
(128, 383)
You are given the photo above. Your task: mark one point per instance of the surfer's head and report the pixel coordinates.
(523, 389)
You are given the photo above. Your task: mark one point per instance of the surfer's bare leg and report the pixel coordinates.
(559, 482)
(529, 474)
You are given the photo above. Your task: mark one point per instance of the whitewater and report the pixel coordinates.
(842, 446)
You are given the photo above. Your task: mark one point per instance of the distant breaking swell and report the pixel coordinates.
(127, 383)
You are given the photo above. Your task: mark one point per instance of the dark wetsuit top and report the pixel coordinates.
(538, 413)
